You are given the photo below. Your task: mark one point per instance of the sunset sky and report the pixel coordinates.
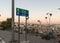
(37, 10)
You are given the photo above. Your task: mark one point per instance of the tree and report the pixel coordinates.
(50, 14)
(9, 22)
(6, 24)
(45, 17)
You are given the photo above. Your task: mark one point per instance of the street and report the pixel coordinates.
(6, 35)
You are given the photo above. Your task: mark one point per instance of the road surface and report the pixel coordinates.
(6, 35)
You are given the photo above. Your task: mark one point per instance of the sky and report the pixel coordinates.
(37, 10)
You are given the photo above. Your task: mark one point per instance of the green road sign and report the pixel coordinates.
(22, 12)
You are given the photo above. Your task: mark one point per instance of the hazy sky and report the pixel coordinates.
(37, 9)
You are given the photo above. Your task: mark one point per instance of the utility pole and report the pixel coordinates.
(13, 21)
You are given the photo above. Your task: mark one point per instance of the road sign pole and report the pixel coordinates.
(22, 12)
(26, 30)
(12, 20)
(18, 29)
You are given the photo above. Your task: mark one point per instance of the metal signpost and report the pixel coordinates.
(18, 29)
(17, 13)
(26, 29)
(22, 12)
